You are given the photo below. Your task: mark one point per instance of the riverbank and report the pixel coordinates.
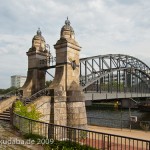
(122, 132)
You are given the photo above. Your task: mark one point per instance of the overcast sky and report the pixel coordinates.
(101, 27)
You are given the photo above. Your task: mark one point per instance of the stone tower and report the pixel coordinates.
(35, 78)
(67, 105)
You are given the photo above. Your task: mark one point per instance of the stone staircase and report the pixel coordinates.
(5, 115)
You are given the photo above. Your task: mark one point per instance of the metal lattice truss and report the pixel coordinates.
(113, 68)
(116, 71)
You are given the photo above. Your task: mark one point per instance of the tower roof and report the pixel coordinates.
(67, 31)
(38, 42)
(38, 36)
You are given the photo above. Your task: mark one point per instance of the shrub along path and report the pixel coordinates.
(8, 138)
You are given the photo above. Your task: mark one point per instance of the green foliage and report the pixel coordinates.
(83, 135)
(145, 125)
(28, 111)
(58, 145)
(34, 137)
(68, 145)
(5, 91)
(104, 86)
(47, 83)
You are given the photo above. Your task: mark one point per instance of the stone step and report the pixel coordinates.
(6, 113)
(5, 119)
(7, 110)
(4, 116)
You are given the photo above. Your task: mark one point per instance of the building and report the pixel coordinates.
(18, 80)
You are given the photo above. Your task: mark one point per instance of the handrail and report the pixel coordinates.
(36, 95)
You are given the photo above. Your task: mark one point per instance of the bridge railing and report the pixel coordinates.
(47, 62)
(42, 92)
(59, 133)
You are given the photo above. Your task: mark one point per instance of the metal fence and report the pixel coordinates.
(97, 140)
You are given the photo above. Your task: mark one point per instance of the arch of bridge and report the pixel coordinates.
(120, 62)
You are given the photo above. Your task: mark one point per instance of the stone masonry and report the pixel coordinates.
(67, 102)
(35, 78)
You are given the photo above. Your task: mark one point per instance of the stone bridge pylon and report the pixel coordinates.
(35, 77)
(67, 98)
(67, 104)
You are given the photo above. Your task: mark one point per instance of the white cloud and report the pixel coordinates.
(101, 27)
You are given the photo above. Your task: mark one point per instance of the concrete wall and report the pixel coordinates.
(88, 103)
(128, 103)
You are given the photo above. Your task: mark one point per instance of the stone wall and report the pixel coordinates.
(7, 103)
(43, 104)
(76, 114)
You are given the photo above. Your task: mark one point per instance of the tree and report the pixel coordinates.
(28, 111)
(5, 91)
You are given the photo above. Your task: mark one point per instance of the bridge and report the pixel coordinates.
(62, 104)
(112, 76)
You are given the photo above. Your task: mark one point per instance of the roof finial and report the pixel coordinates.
(39, 32)
(67, 22)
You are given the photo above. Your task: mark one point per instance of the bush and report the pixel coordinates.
(28, 111)
(34, 137)
(68, 145)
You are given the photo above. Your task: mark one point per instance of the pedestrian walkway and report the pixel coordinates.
(122, 132)
(10, 139)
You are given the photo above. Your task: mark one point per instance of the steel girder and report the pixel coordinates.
(94, 68)
(106, 67)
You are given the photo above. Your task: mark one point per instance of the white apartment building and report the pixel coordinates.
(18, 80)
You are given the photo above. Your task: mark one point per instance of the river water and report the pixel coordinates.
(118, 118)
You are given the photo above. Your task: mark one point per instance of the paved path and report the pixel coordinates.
(124, 132)
(7, 134)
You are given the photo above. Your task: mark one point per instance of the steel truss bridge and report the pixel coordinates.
(111, 76)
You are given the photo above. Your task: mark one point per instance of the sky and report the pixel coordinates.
(101, 27)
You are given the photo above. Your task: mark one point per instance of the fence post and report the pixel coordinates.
(31, 126)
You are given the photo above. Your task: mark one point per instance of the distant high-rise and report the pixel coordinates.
(18, 80)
